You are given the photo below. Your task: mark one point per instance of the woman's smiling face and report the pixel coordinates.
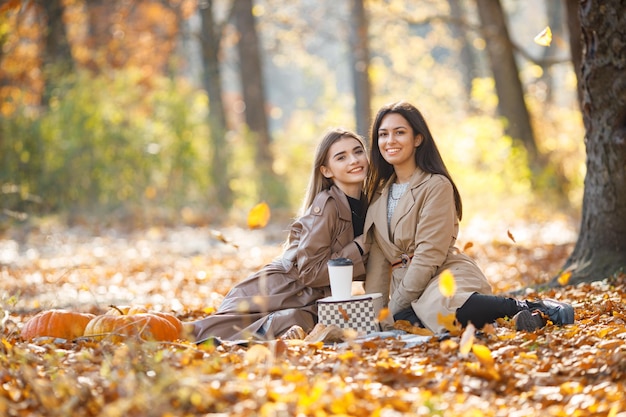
(347, 165)
(396, 140)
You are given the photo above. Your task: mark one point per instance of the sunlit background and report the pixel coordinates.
(118, 130)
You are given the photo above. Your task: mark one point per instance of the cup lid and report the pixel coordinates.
(340, 262)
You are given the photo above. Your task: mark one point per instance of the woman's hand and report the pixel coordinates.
(362, 243)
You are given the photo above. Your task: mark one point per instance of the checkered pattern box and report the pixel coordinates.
(359, 313)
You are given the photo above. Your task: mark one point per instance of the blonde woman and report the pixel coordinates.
(284, 293)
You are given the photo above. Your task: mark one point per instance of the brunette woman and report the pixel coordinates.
(413, 217)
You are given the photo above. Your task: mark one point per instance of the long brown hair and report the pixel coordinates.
(317, 181)
(427, 156)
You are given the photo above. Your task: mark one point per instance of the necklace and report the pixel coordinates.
(401, 189)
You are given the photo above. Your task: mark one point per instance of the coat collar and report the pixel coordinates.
(345, 213)
(377, 212)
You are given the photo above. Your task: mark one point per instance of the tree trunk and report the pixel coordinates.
(57, 59)
(511, 104)
(360, 59)
(252, 84)
(468, 67)
(212, 80)
(575, 40)
(600, 251)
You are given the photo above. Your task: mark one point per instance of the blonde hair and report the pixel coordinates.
(317, 181)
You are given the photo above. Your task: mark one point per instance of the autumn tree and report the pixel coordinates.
(600, 250)
(57, 51)
(210, 38)
(253, 91)
(511, 103)
(359, 60)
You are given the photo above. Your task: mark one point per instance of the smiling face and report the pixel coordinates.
(346, 164)
(397, 142)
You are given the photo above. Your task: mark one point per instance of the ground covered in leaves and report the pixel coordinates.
(576, 370)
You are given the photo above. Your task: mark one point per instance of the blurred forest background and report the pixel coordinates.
(190, 112)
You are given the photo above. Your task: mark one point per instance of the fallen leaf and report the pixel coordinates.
(467, 339)
(563, 279)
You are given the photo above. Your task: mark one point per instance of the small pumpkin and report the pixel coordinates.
(59, 323)
(131, 310)
(147, 326)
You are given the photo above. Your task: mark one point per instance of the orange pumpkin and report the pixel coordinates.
(132, 310)
(63, 324)
(144, 325)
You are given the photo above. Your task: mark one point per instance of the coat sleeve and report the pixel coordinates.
(321, 230)
(434, 234)
(378, 273)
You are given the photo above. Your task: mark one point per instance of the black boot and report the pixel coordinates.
(559, 313)
(528, 321)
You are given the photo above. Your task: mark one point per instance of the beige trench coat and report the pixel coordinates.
(285, 291)
(425, 226)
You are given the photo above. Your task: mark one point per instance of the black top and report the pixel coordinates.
(359, 209)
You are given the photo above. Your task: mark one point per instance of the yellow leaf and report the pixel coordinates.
(467, 246)
(447, 284)
(467, 339)
(257, 354)
(483, 354)
(383, 314)
(563, 279)
(449, 323)
(258, 216)
(544, 38)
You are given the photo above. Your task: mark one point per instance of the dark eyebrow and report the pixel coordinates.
(343, 152)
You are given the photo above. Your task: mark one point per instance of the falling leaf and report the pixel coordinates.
(219, 236)
(563, 279)
(383, 314)
(510, 235)
(467, 339)
(258, 216)
(483, 354)
(544, 38)
(447, 283)
(343, 313)
(467, 246)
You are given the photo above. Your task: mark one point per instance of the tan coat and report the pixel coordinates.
(424, 225)
(285, 291)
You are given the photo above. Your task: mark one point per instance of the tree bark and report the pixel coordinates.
(360, 60)
(600, 250)
(212, 80)
(57, 57)
(252, 84)
(575, 40)
(468, 67)
(511, 103)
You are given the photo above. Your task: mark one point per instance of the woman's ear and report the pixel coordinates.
(326, 172)
(418, 140)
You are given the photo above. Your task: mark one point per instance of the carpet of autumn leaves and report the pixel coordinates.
(576, 370)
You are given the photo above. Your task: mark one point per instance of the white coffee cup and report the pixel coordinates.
(340, 274)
